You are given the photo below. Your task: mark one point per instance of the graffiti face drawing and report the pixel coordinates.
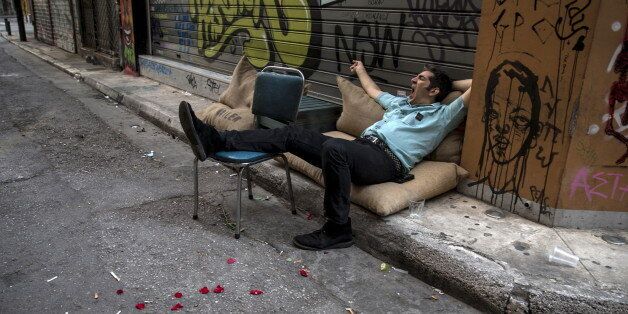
(511, 125)
(511, 114)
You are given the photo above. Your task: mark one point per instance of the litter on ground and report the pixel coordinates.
(114, 276)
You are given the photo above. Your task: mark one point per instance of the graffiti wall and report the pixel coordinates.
(394, 38)
(596, 173)
(532, 56)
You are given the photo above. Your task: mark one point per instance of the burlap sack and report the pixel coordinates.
(431, 179)
(239, 94)
(223, 117)
(449, 150)
(359, 111)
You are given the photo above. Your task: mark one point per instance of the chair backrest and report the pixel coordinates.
(278, 93)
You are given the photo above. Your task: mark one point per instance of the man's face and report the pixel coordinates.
(419, 86)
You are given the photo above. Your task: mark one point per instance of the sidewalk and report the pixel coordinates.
(498, 265)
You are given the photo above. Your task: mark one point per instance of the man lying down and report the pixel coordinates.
(386, 151)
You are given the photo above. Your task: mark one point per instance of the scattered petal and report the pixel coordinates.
(204, 290)
(178, 295)
(303, 272)
(140, 306)
(309, 216)
(119, 291)
(231, 260)
(176, 307)
(219, 289)
(256, 292)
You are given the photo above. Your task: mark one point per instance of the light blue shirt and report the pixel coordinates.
(409, 138)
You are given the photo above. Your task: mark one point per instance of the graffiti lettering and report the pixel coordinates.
(213, 86)
(184, 27)
(600, 184)
(575, 19)
(367, 41)
(191, 80)
(155, 67)
(277, 31)
(446, 5)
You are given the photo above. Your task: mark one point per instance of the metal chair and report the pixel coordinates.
(277, 96)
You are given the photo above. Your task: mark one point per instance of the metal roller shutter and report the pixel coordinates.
(394, 38)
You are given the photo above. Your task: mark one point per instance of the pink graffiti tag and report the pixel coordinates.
(601, 181)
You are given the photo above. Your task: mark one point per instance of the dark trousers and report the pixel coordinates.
(358, 161)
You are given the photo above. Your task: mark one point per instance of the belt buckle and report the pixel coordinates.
(373, 139)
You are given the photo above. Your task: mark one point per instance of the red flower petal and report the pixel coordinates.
(231, 260)
(256, 292)
(204, 290)
(178, 295)
(176, 307)
(119, 291)
(140, 306)
(309, 216)
(219, 289)
(303, 272)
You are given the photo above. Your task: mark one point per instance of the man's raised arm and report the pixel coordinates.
(465, 87)
(365, 80)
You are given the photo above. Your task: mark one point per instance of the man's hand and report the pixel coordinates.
(465, 87)
(367, 82)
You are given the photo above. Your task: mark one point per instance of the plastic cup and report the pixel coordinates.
(562, 257)
(416, 208)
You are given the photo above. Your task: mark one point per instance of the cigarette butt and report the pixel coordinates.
(119, 312)
(114, 276)
(96, 295)
(51, 279)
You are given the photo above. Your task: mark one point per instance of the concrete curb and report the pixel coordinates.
(479, 280)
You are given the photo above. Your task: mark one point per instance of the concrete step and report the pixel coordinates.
(195, 80)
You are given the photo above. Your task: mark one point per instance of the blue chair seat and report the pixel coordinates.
(239, 156)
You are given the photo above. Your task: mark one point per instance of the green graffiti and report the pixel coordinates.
(279, 29)
(129, 55)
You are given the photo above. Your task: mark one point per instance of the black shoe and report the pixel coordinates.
(331, 236)
(204, 139)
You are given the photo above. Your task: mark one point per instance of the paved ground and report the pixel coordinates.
(78, 199)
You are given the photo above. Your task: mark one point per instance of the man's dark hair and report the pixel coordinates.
(440, 80)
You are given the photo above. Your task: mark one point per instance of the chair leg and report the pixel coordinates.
(195, 215)
(239, 206)
(248, 182)
(285, 162)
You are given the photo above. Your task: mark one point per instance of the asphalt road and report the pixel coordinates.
(79, 199)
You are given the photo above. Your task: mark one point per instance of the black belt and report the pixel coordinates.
(399, 168)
